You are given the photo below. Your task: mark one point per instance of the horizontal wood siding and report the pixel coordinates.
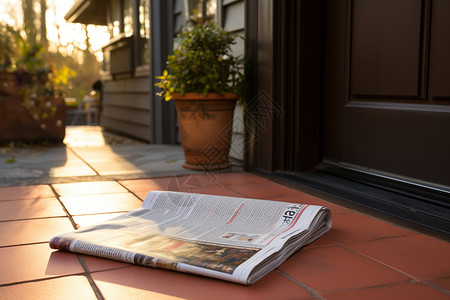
(178, 18)
(127, 128)
(133, 100)
(126, 107)
(239, 47)
(234, 16)
(128, 85)
(138, 116)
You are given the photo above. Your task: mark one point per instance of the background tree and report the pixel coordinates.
(72, 50)
(29, 20)
(43, 23)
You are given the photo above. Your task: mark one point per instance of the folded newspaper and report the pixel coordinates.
(235, 239)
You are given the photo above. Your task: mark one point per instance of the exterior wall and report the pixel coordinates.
(126, 107)
(126, 92)
(231, 15)
(178, 16)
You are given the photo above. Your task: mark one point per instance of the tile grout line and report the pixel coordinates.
(26, 244)
(381, 263)
(437, 287)
(87, 273)
(35, 218)
(114, 268)
(130, 191)
(83, 160)
(74, 225)
(92, 283)
(25, 199)
(231, 190)
(314, 293)
(101, 213)
(40, 279)
(370, 287)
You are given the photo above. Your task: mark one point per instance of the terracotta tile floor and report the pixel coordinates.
(360, 258)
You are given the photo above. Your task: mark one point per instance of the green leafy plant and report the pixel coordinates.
(203, 62)
(37, 80)
(8, 47)
(10, 160)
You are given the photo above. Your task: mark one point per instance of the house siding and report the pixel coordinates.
(126, 107)
(178, 18)
(232, 17)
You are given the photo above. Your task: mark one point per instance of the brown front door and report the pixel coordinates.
(386, 86)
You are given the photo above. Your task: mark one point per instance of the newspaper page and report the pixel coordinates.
(229, 238)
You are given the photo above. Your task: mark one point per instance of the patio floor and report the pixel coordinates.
(88, 154)
(359, 258)
(45, 191)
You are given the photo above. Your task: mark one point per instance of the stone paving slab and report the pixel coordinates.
(130, 159)
(35, 162)
(89, 154)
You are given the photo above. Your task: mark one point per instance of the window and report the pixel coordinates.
(106, 61)
(120, 52)
(114, 17)
(120, 18)
(128, 17)
(205, 8)
(144, 33)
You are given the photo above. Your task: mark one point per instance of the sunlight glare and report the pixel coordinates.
(69, 33)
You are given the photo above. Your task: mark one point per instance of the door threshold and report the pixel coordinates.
(423, 209)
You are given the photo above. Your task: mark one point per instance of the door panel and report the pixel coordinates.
(439, 53)
(386, 48)
(386, 86)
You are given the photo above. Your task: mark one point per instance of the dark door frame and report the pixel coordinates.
(161, 28)
(284, 41)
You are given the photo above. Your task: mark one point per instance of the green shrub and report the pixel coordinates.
(202, 63)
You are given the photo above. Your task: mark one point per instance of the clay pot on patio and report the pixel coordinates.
(205, 128)
(17, 124)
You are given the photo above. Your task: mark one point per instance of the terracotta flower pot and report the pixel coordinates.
(205, 128)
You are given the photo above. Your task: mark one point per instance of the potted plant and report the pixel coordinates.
(203, 77)
(31, 106)
(8, 51)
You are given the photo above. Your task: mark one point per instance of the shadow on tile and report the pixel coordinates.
(60, 262)
(141, 282)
